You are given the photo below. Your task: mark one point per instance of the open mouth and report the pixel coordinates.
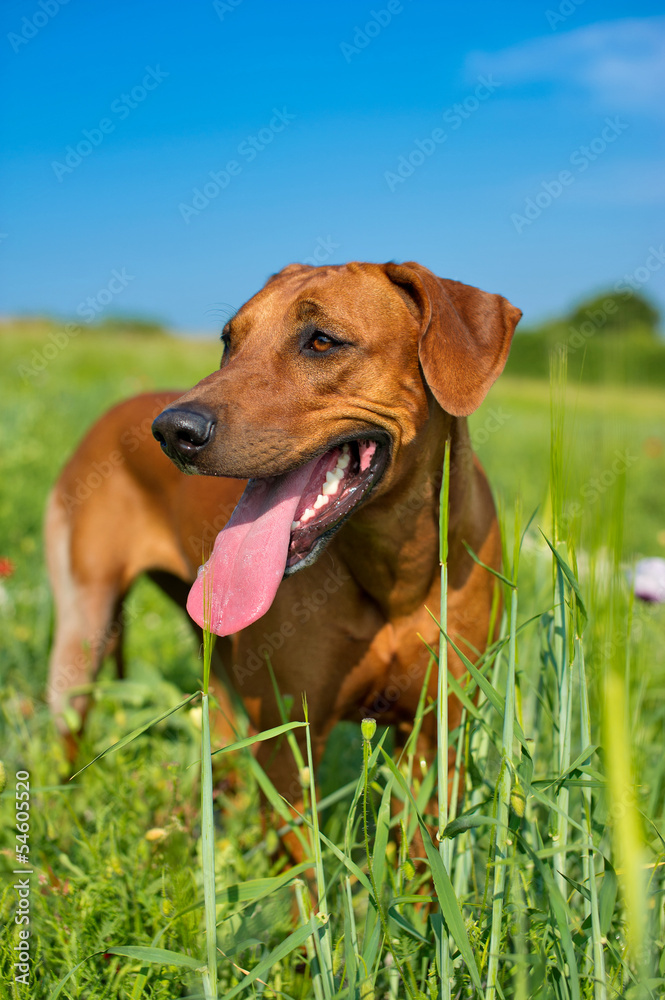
(279, 525)
(340, 480)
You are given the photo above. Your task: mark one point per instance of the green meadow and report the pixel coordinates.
(548, 879)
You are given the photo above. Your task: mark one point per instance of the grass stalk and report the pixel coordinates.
(314, 965)
(558, 373)
(503, 806)
(368, 730)
(442, 710)
(323, 916)
(588, 866)
(208, 855)
(410, 749)
(626, 824)
(565, 689)
(207, 815)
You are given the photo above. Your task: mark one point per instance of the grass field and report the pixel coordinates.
(116, 853)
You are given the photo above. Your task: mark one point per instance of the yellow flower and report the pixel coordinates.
(156, 834)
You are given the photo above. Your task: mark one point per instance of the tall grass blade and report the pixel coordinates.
(597, 964)
(208, 850)
(207, 809)
(558, 369)
(442, 708)
(626, 824)
(323, 937)
(162, 956)
(266, 734)
(368, 729)
(137, 732)
(503, 807)
(307, 917)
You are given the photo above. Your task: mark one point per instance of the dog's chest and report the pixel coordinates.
(387, 681)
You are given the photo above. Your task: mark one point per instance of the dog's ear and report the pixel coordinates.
(465, 335)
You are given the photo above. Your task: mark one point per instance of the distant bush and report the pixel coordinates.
(608, 338)
(635, 359)
(130, 324)
(139, 325)
(617, 313)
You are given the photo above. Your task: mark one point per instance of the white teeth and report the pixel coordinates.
(330, 488)
(335, 476)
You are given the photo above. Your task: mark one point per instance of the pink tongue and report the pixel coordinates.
(248, 561)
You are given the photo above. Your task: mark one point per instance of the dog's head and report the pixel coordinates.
(327, 376)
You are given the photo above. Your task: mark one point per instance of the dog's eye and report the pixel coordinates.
(226, 343)
(320, 342)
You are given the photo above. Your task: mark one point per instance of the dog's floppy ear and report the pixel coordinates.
(465, 335)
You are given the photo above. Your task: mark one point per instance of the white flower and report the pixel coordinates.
(649, 580)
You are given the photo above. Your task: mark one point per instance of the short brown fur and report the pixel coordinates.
(345, 630)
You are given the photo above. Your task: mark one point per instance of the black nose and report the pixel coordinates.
(184, 433)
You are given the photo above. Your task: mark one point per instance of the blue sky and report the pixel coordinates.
(335, 113)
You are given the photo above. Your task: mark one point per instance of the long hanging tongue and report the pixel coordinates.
(248, 560)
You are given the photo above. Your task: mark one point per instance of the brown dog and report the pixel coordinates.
(337, 390)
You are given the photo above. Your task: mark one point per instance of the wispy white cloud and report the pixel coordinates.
(617, 65)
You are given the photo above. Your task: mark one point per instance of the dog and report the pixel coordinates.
(317, 446)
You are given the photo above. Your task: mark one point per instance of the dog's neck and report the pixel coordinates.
(391, 545)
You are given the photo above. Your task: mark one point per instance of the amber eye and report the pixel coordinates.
(321, 342)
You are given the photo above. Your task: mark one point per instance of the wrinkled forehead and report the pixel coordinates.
(345, 297)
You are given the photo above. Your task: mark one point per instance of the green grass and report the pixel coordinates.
(117, 855)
